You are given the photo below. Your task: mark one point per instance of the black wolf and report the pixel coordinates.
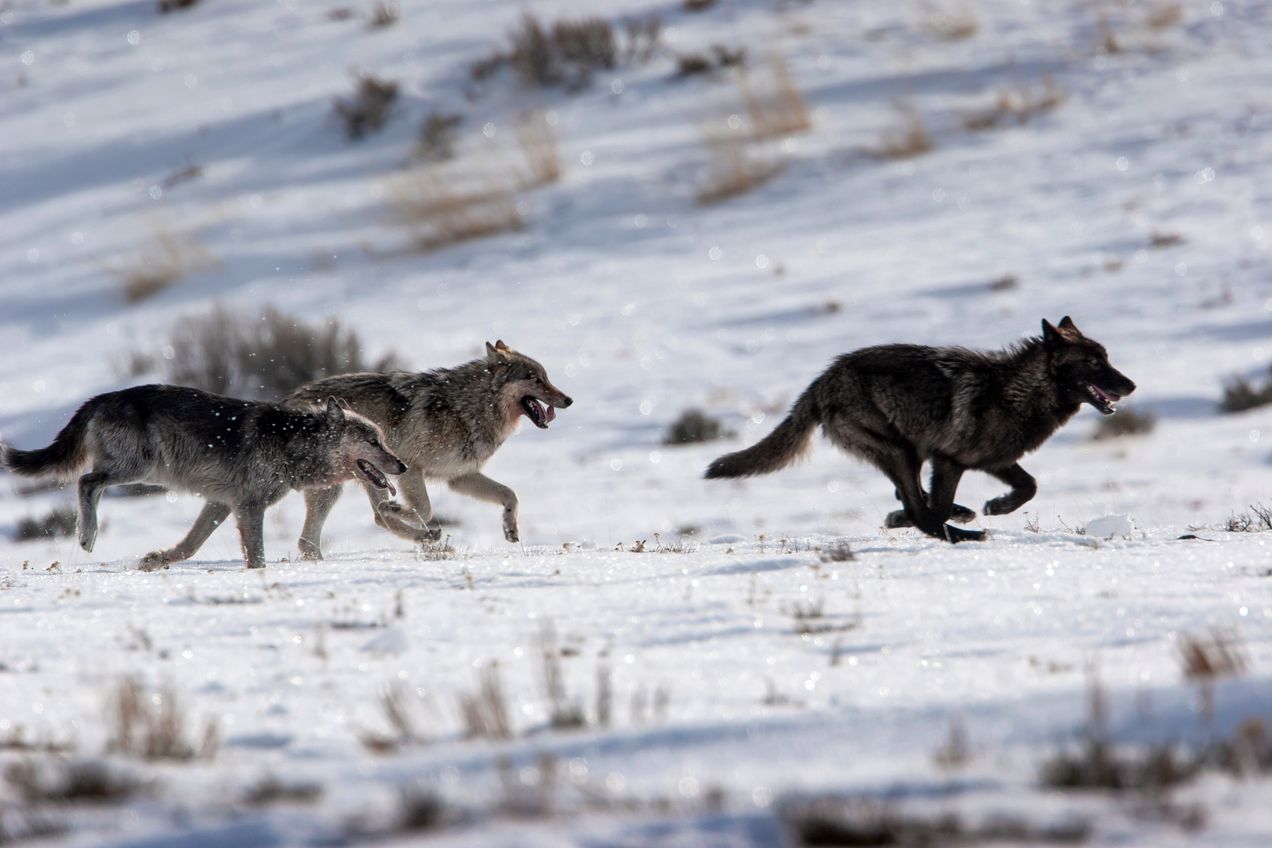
(242, 456)
(898, 405)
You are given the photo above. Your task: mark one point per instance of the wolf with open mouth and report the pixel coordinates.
(445, 424)
(898, 406)
(241, 456)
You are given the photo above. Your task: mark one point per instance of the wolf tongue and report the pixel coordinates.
(387, 482)
(549, 414)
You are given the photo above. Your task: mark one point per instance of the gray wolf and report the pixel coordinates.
(445, 424)
(242, 456)
(897, 406)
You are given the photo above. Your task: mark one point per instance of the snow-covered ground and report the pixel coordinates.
(642, 304)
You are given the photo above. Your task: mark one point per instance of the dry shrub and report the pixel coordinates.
(564, 712)
(1213, 655)
(697, 5)
(58, 522)
(166, 6)
(272, 790)
(838, 552)
(733, 169)
(168, 258)
(438, 209)
(383, 15)
(1240, 394)
(566, 53)
(1127, 422)
(1016, 106)
(153, 727)
(67, 781)
(1108, 42)
(370, 106)
(716, 57)
(692, 426)
(1160, 239)
(537, 141)
(954, 23)
(909, 137)
(774, 106)
(265, 356)
(437, 137)
(844, 821)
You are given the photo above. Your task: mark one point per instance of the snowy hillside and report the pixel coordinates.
(738, 661)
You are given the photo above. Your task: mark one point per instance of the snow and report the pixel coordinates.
(642, 304)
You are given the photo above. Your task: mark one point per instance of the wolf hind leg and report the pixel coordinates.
(1023, 488)
(927, 512)
(210, 518)
(318, 504)
(91, 486)
(250, 516)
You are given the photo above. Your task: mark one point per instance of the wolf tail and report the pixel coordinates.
(67, 453)
(776, 450)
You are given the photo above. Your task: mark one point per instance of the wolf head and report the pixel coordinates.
(359, 448)
(524, 387)
(1081, 367)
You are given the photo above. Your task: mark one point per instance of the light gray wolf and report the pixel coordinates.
(897, 406)
(242, 456)
(445, 424)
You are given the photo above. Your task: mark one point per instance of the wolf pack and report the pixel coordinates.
(898, 407)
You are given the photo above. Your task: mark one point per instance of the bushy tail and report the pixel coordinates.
(776, 450)
(68, 452)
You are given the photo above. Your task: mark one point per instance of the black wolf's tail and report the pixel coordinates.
(67, 453)
(776, 450)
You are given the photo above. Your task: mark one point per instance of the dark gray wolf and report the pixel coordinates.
(242, 456)
(445, 424)
(898, 405)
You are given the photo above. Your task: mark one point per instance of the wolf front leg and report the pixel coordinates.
(482, 488)
(1023, 488)
(399, 520)
(251, 524)
(209, 519)
(902, 467)
(415, 493)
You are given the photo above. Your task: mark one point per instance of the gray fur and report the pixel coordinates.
(241, 456)
(897, 406)
(445, 424)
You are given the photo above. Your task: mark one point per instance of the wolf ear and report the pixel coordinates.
(497, 352)
(500, 346)
(1050, 334)
(335, 412)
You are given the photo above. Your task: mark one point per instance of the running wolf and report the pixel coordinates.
(446, 424)
(242, 456)
(898, 405)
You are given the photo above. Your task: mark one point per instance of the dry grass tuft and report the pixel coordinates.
(271, 790)
(166, 6)
(437, 137)
(1162, 16)
(1015, 107)
(908, 138)
(537, 141)
(715, 58)
(485, 712)
(566, 53)
(732, 169)
(954, 23)
(774, 106)
(384, 14)
(1213, 655)
(153, 726)
(438, 210)
(1159, 239)
(168, 258)
(838, 552)
(1107, 42)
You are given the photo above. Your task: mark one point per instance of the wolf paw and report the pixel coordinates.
(1000, 506)
(154, 561)
(511, 534)
(897, 518)
(429, 534)
(954, 534)
(960, 514)
(309, 551)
